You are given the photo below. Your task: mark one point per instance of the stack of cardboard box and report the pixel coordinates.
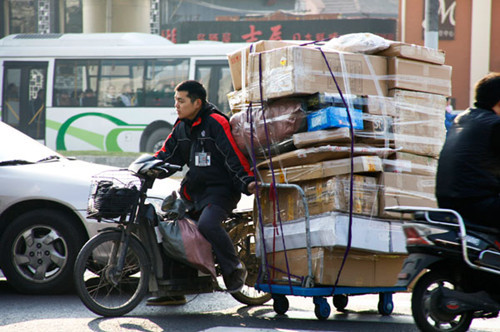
(396, 102)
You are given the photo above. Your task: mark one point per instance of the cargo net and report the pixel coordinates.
(113, 195)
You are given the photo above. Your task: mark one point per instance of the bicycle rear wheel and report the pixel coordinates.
(243, 237)
(103, 289)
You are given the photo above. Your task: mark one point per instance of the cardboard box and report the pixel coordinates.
(332, 230)
(317, 154)
(379, 105)
(238, 101)
(340, 137)
(321, 195)
(331, 116)
(321, 100)
(361, 269)
(322, 137)
(419, 76)
(419, 122)
(419, 144)
(362, 164)
(299, 70)
(377, 130)
(371, 104)
(414, 101)
(414, 52)
(409, 163)
(405, 189)
(238, 60)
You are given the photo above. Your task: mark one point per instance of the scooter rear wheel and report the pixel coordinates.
(101, 288)
(426, 313)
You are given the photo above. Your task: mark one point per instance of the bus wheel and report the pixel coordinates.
(156, 139)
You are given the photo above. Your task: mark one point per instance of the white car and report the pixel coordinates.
(43, 207)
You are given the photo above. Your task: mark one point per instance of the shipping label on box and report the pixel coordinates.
(302, 70)
(334, 117)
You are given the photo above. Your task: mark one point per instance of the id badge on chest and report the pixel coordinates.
(202, 159)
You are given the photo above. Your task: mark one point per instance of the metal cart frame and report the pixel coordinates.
(319, 294)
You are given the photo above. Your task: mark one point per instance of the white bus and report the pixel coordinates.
(108, 92)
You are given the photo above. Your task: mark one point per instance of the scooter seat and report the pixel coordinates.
(448, 217)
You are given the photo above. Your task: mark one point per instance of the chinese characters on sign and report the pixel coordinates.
(245, 31)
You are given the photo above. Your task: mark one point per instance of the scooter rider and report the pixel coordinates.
(218, 174)
(468, 173)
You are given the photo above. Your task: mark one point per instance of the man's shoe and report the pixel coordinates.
(166, 300)
(236, 280)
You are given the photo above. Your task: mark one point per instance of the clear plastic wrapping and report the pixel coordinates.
(402, 99)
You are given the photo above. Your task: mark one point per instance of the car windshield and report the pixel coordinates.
(18, 148)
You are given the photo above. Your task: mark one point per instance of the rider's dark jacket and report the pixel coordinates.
(218, 171)
(469, 163)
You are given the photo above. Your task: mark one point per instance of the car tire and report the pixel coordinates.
(39, 249)
(156, 138)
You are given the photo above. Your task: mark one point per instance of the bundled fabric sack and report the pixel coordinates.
(283, 118)
(183, 241)
(360, 42)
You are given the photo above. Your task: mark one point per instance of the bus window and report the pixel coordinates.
(225, 86)
(75, 83)
(216, 78)
(161, 78)
(121, 83)
(110, 92)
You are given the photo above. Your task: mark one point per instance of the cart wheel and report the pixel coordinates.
(321, 308)
(280, 304)
(340, 301)
(385, 304)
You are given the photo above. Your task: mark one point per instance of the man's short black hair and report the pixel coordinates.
(194, 89)
(487, 91)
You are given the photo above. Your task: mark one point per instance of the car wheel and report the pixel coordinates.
(156, 139)
(39, 249)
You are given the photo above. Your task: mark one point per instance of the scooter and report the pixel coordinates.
(116, 268)
(453, 268)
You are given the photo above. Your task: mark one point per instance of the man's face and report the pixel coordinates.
(186, 109)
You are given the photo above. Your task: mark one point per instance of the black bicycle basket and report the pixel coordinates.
(113, 194)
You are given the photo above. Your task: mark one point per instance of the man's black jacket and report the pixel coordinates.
(218, 171)
(469, 163)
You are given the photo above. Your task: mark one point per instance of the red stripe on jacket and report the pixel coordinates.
(168, 137)
(227, 130)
